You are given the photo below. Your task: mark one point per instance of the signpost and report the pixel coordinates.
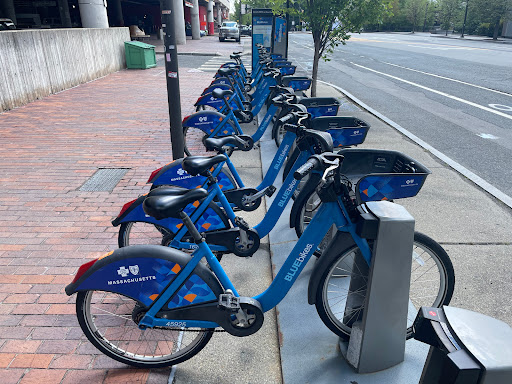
(173, 83)
(269, 30)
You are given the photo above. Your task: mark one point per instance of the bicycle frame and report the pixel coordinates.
(329, 213)
(263, 228)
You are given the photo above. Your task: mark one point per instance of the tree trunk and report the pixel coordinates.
(496, 29)
(314, 73)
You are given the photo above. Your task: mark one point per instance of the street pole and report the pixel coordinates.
(287, 25)
(465, 16)
(240, 15)
(171, 74)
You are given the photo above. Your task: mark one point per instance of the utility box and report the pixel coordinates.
(139, 55)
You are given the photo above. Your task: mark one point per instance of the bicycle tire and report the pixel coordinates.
(193, 142)
(330, 307)
(160, 343)
(146, 234)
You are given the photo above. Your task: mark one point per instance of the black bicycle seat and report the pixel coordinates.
(220, 93)
(195, 165)
(226, 71)
(216, 143)
(161, 207)
(239, 53)
(167, 191)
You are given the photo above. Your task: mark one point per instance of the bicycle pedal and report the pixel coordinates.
(240, 222)
(270, 190)
(229, 302)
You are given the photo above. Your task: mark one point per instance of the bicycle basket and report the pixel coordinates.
(321, 106)
(298, 83)
(345, 131)
(382, 175)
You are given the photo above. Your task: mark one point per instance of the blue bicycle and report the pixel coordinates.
(152, 306)
(224, 231)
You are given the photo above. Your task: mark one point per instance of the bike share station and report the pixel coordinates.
(452, 346)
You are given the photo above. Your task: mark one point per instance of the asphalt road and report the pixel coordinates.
(456, 95)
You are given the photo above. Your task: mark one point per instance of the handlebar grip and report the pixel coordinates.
(305, 169)
(286, 118)
(290, 128)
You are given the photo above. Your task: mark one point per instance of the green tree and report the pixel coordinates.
(415, 9)
(449, 11)
(493, 11)
(332, 21)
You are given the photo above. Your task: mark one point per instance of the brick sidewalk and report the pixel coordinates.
(48, 228)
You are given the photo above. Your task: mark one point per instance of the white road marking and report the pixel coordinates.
(488, 136)
(448, 78)
(501, 107)
(438, 92)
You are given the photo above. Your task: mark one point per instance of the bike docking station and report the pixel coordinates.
(466, 347)
(383, 289)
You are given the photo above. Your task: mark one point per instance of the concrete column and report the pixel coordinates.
(219, 13)
(209, 18)
(179, 22)
(117, 13)
(7, 7)
(64, 13)
(93, 13)
(194, 20)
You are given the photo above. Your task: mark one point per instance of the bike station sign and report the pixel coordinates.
(270, 31)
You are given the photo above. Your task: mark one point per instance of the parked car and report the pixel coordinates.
(188, 30)
(6, 25)
(229, 30)
(246, 30)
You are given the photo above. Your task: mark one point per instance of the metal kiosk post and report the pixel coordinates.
(377, 340)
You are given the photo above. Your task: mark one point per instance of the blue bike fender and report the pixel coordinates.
(212, 87)
(221, 80)
(174, 174)
(208, 99)
(207, 121)
(142, 272)
(211, 219)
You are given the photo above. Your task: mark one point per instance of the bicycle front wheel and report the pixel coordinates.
(432, 284)
(108, 320)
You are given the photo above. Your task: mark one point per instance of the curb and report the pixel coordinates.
(505, 199)
(488, 40)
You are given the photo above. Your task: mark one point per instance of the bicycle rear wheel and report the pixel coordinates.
(141, 233)
(108, 320)
(432, 284)
(194, 143)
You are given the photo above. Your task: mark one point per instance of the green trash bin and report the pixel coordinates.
(139, 55)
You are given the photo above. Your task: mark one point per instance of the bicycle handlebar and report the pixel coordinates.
(306, 168)
(326, 162)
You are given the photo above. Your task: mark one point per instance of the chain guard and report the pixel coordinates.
(246, 321)
(233, 240)
(236, 196)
